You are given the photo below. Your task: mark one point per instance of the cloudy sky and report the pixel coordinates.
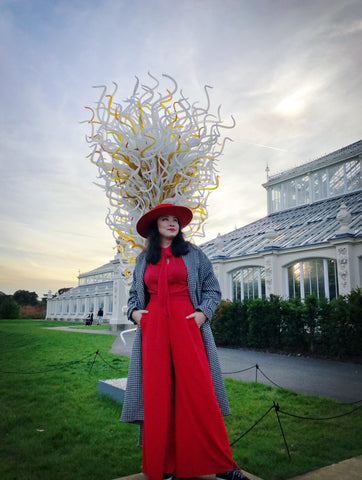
(289, 71)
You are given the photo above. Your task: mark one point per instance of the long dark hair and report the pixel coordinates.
(179, 245)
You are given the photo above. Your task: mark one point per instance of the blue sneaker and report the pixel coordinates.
(235, 474)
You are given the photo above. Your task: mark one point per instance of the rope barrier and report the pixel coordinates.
(107, 363)
(98, 354)
(255, 424)
(322, 418)
(64, 365)
(240, 371)
(352, 403)
(94, 360)
(274, 407)
(271, 381)
(257, 368)
(58, 367)
(277, 410)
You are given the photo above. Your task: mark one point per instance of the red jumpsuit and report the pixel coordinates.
(183, 432)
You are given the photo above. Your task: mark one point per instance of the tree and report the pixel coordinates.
(9, 308)
(24, 297)
(2, 297)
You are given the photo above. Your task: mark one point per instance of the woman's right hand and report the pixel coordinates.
(137, 315)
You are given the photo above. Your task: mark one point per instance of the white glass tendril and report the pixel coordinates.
(155, 148)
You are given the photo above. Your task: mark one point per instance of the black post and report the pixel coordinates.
(276, 408)
(94, 360)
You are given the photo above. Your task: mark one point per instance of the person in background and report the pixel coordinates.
(100, 316)
(89, 319)
(175, 389)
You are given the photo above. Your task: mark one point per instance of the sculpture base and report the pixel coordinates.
(114, 388)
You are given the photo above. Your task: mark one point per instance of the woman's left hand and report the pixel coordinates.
(199, 317)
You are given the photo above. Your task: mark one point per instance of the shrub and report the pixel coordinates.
(30, 311)
(355, 305)
(339, 326)
(323, 326)
(317, 325)
(9, 308)
(230, 323)
(344, 325)
(310, 314)
(264, 322)
(217, 325)
(292, 325)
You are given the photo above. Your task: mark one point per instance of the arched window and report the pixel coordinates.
(314, 276)
(248, 282)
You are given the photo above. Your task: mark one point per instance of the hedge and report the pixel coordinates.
(317, 326)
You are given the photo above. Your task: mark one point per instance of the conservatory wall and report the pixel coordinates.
(323, 270)
(100, 288)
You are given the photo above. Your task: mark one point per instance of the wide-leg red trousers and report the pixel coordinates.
(184, 432)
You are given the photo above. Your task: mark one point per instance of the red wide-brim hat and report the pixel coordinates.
(183, 214)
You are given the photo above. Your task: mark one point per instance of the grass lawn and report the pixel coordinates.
(54, 425)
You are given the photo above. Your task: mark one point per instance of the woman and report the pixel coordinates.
(175, 388)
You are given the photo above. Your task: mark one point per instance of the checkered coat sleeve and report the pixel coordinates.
(204, 291)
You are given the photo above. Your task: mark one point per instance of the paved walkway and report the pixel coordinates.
(324, 378)
(82, 330)
(347, 470)
(337, 380)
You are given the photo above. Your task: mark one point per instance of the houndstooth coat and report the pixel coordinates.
(204, 291)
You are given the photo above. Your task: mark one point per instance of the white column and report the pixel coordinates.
(259, 283)
(343, 268)
(49, 304)
(273, 274)
(87, 304)
(104, 300)
(268, 276)
(225, 283)
(119, 320)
